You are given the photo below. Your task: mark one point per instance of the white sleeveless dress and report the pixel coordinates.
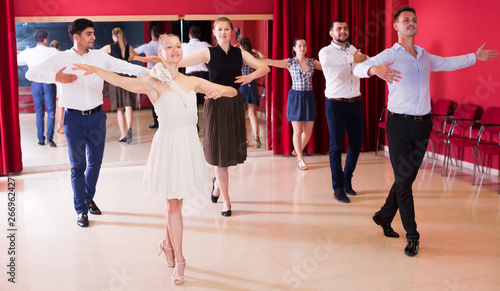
(176, 166)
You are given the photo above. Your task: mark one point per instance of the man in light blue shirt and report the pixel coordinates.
(406, 68)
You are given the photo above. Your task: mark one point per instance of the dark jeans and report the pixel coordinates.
(408, 141)
(344, 117)
(86, 136)
(44, 95)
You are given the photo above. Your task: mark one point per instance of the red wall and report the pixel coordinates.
(456, 27)
(144, 7)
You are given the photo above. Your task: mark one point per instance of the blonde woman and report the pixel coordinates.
(121, 99)
(176, 167)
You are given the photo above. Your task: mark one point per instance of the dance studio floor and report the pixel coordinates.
(286, 233)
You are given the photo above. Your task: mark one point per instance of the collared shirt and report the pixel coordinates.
(301, 81)
(411, 95)
(34, 56)
(337, 64)
(86, 92)
(149, 49)
(190, 48)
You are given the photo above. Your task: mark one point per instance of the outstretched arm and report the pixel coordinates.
(156, 59)
(106, 48)
(486, 55)
(212, 90)
(130, 84)
(201, 56)
(276, 63)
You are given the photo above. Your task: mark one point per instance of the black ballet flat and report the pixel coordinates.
(214, 198)
(226, 213)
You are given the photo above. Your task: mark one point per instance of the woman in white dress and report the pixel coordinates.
(176, 166)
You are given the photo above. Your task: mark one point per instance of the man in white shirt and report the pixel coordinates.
(344, 110)
(151, 49)
(190, 48)
(84, 120)
(44, 95)
(406, 68)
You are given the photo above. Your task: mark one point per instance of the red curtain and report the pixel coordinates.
(10, 135)
(311, 19)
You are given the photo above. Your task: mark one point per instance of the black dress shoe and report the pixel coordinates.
(388, 231)
(41, 143)
(340, 196)
(52, 143)
(214, 198)
(94, 209)
(411, 249)
(154, 125)
(83, 220)
(348, 189)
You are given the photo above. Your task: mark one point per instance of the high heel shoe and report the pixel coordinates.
(176, 278)
(258, 144)
(214, 198)
(164, 248)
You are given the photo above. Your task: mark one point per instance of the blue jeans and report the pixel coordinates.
(44, 95)
(344, 117)
(86, 136)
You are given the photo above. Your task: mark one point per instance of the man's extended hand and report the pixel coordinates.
(385, 73)
(65, 78)
(359, 57)
(486, 55)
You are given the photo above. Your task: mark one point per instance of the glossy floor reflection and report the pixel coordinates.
(286, 233)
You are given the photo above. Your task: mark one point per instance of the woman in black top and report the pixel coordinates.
(121, 98)
(224, 132)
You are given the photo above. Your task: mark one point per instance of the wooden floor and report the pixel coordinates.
(286, 232)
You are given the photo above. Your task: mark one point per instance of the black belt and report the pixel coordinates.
(349, 100)
(197, 72)
(412, 117)
(86, 112)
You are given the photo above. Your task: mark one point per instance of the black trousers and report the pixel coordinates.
(407, 141)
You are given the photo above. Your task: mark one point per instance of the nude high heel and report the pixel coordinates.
(164, 248)
(176, 278)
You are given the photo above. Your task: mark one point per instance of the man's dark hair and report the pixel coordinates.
(246, 44)
(195, 31)
(156, 31)
(78, 26)
(403, 9)
(40, 35)
(336, 20)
